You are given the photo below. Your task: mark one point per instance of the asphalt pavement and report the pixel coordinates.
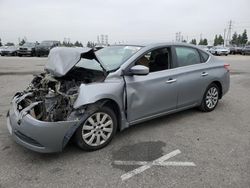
(186, 149)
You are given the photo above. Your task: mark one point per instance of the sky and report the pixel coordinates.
(128, 21)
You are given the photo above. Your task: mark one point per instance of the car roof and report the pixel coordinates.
(152, 45)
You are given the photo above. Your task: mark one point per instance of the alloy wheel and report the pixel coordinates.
(97, 129)
(212, 97)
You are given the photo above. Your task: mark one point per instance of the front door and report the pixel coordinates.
(154, 93)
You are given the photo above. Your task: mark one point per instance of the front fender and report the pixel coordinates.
(91, 93)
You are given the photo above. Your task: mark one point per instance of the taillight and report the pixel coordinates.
(226, 66)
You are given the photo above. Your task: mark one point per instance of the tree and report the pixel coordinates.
(21, 42)
(88, 45)
(218, 40)
(234, 39)
(215, 40)
(91, 44)
(67, 44)
(239, 40)
(244, 38)
(203, 42)
(193, 41)
(78, 44)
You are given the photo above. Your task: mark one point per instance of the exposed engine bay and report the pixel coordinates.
(51, 99)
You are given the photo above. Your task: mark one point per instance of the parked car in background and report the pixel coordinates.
(44, 47)
(2, 48)
(235, 50)
(204, 47)
(9, 50)
(219, 50)
(28, 48)
(88, 96)
(245, 50)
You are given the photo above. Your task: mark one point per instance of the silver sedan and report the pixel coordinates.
(88, 96)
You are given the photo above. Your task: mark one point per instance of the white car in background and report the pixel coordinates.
(2, 48)
(219, 50)
(204, 47)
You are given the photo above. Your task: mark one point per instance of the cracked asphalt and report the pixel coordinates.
(217, 142)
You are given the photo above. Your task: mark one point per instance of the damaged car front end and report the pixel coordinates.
(42, 117)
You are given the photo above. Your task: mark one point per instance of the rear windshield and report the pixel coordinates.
(28, 44)
(46, 43)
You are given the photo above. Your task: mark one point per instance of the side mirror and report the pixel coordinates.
(139, 70)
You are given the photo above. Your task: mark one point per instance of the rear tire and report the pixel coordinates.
(210, 98)
(97, 130)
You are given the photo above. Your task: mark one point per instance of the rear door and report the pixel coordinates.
(193, 75)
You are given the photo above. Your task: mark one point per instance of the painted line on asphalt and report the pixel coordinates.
(141, 163)
(148, 164)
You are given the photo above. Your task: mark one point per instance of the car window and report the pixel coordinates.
(156, 60)
(204, 56)
(187, 56)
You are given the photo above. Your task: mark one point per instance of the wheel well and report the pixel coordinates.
(220, 88)
(114, 106)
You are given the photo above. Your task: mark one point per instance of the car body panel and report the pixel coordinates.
(105, 90)
(27, 49)
(9, 50)
(44, 47)
(62, 59)
(246, 50)
(40, 136)
(142, 90)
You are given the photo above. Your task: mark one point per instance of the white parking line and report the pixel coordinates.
(146, 165)
(141, 163)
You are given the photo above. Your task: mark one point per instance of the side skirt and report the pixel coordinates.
(161, 114)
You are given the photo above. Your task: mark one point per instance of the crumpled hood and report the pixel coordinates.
(62, 59)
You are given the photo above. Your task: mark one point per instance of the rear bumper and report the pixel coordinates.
(42, 52)
(246, 52)
(39, 136)
(226, 83)
(222, 53)
(7, 53)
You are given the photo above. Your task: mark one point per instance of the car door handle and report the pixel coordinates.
(171, 81)
(204, 74)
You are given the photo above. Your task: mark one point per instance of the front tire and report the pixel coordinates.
(97, 130)
(210, 98)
